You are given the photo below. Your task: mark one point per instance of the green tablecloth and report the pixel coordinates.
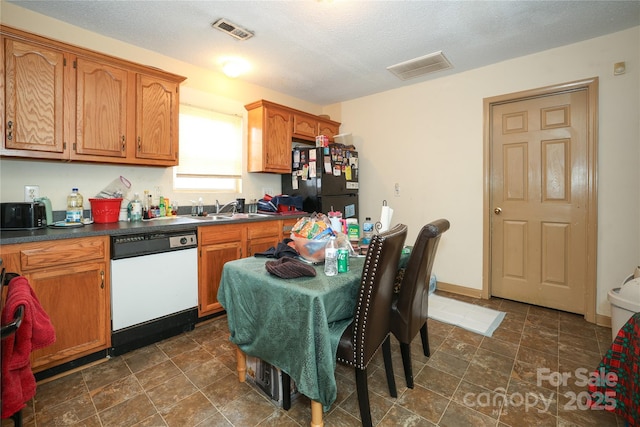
(294, 324)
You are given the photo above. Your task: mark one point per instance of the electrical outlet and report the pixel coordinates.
(31, 192)
(396, 189)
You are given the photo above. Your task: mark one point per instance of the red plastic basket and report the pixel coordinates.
(105, 210)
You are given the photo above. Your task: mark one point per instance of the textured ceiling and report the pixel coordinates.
(330, 51)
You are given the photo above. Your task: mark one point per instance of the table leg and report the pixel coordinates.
(241, 365)
(316, 414)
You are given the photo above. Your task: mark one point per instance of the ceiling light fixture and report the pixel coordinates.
(234, 67)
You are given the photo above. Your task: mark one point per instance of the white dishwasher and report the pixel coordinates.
(154, 287)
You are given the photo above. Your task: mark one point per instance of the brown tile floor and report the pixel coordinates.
(469, 380)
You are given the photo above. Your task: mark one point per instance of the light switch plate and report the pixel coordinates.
(31, 192)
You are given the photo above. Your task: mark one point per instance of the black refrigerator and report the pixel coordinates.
(326, 178)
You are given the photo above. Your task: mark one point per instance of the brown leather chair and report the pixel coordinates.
(410, 305)
(370, 327)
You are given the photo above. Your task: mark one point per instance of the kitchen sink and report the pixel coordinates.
(227, 216)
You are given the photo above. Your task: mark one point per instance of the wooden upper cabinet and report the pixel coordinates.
(272, 129)
(328, 128)
(305, 126)
(269, 135)
(157, 111)
(101, 110)
(34, 110)
(69, 103)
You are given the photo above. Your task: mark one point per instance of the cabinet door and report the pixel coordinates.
(157, 120)
(278, 140)
(305, 127)
(262, 236)
(329, 129)
(101, 110)
(34, 112)
(212, 259)
(261, 244)
(76, 298)
(269, 135)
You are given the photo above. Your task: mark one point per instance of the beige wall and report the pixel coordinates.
(428, 138)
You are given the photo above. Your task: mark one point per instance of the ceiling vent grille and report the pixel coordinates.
(232, 29)
(420, 66)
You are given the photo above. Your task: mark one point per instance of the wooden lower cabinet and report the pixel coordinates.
(219, 244)
(71, 280)
(262, 236)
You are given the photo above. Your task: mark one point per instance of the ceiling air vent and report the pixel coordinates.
(420, 66)
(232, 29)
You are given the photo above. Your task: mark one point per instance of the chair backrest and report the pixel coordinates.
(411, 307)
(373, 308)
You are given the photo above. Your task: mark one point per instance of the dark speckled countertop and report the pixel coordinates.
(179, 223)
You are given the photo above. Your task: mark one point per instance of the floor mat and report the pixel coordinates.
(472, 317)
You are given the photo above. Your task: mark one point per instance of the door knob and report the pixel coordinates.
(497, 210)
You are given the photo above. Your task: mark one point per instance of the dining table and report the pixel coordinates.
(293, 324)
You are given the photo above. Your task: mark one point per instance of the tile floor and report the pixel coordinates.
(469, 380)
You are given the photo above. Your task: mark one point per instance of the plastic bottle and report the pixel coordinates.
(134, 209)
(146, 205)
(367, 231)
(74, 207)
(162, 207)
(331, 257)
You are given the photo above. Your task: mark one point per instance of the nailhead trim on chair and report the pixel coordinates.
(369, 272)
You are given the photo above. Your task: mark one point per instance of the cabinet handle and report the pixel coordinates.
(139, 145)
(9, 130)
(123, 143)
(102, 279)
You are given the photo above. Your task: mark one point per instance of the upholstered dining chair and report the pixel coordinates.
(410, 305)
(370, 328)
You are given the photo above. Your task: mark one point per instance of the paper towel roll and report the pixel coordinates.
(385, 218)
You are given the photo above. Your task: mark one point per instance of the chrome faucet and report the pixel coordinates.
(220, 209)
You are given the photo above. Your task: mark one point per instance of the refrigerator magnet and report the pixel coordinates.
(327, 164)
(296, 156)
(347, 173)
(337, 170)
(305, 172)
(294, 182)
(312, 155)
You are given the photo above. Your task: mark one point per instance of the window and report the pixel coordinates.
(210, 155)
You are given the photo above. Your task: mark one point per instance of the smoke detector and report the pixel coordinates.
(232, 29)
(420, 66)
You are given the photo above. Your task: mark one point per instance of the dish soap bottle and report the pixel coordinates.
(135, 209)
(74, 207)
(331, 257)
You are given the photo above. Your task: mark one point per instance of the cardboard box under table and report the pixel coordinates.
(268, 378)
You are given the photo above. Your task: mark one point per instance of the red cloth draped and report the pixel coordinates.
(617, 379)
(36, 331)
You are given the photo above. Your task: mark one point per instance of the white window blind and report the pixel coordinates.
(210, 155)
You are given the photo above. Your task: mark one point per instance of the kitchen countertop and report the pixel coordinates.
(178, 223)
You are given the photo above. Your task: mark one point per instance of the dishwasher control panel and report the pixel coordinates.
(142, 244)
(183, 240)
